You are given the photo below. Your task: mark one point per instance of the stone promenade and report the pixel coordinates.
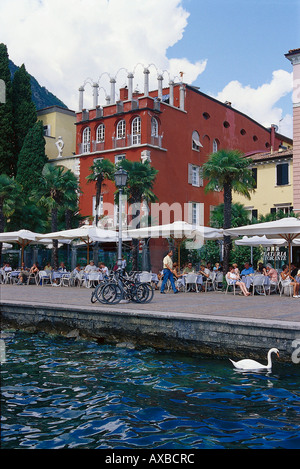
(209, 323)
(271, 307)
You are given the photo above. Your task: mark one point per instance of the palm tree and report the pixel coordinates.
(229, 171)
(100, 171)
(53, 193)
(10, 192)
(141, 178)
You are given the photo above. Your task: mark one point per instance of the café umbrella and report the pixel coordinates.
(22, 237)
(179, 231)
(286, 229)
(86, 233)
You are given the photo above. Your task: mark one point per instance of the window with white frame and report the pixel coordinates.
(195, 175)
(196, 213)
(154, 127)
(119, 158)
(86, 140)
(136, 131)
(100, 134)
(121, 129)
(196, 145)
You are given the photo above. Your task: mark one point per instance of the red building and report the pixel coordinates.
(176, 128)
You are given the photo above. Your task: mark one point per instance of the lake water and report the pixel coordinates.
(60, 393)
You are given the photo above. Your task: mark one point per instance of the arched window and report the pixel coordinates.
(100, 134)
(196, 141)
(215, 145)
(136, 131)
(121, 129)
(86, 140)
(154, 127)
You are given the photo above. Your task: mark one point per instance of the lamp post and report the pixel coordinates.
(120, 181)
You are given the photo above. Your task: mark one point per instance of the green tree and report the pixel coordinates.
(10, 192)
(7, 162)
(227, 170)
(24, 110)
(52, 194)
(239, 216)
(100, 171)
(141, 178)
(32, 158)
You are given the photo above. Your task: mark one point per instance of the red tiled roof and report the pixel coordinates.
(264, 156)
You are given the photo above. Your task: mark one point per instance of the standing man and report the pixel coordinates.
(168, 274)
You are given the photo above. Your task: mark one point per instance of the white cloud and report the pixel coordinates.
(260, 103)
(62, 42)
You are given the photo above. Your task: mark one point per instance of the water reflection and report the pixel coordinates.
(61, 393)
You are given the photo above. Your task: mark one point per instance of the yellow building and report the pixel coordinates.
(273, 173)
(60, 136)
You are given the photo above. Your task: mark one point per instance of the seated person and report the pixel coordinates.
(287, 280)
(34, 269)
(270, 272)
(48, 268)
(260, 268)
(248, 270)
(23, 275)
(103, 269)
(236, 269)
(62, 267)
(90, 268)
(189, 269)
(234, 279)
(177, 274)
(216, 267)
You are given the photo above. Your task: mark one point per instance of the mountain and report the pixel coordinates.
(40, 95)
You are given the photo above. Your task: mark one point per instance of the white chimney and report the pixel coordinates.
(146, 82)
(112, 91)
(95, 95)
(160, 86)
(81, 90)
(130, 85)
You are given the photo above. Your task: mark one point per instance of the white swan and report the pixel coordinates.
(252, 365)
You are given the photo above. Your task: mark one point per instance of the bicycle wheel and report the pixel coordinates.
(110, 294)
(144, 293)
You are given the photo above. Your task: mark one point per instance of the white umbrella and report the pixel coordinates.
(287, 229)
(86, 233)
(259, 241)
(21, 237)
(179, 231)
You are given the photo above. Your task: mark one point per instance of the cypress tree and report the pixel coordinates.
(6, 118)
(24, 110)
(32, 159)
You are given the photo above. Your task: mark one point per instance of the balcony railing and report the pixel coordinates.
(129, 141)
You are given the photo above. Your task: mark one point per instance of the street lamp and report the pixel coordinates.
(120, 180)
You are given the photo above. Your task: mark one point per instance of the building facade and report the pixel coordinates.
(176, 128)
(273, 174)
(294, 57)
(60, 136)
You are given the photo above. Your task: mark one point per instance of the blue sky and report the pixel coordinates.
(242, 40)
(232, 49)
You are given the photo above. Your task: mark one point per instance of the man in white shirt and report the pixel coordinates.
(168, 274)
(90, 268)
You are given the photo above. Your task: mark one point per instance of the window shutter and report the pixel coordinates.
(190, 173)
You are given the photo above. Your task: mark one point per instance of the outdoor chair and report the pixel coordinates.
(258, 285)
(44, 277)
(93, 279)
(285, 289)
(191, 280)
(34, 277)
(209, 281)
(232, 284)
(145, 277)
(218, 281)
